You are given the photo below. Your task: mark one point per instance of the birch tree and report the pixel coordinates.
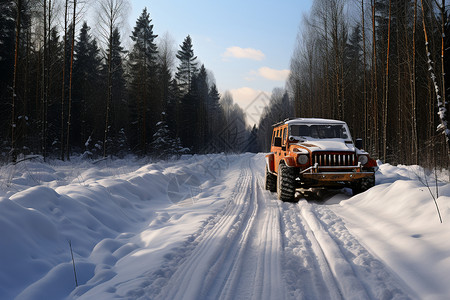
(14, 87)
(111, 14)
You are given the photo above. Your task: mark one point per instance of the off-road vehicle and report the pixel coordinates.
(316, 153)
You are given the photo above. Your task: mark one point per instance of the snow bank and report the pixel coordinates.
(109, 211)
(397, 220)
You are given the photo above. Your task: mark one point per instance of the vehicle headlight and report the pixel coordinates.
(303, 159)
(363, 159)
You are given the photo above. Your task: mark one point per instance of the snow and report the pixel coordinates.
(328, 144)
(203, 227)
(314, 121)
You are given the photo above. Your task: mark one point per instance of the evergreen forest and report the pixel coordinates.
(65, 90)
(379, 65)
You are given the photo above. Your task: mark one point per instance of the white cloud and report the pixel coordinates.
(273, 74)
(248, 53)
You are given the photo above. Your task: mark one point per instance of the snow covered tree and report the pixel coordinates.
(164, 144)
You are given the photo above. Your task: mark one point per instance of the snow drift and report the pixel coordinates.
(132, 224)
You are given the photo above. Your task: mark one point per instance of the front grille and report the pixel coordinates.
(333, 159)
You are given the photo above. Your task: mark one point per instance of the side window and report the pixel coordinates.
(274, 134)
(284, 136)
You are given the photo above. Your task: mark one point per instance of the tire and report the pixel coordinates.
(271, 181)
(363, 185)
(285, 183)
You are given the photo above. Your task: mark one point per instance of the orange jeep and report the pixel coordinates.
(309, 153)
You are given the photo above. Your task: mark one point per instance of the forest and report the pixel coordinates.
(65, 90)
(379, 65)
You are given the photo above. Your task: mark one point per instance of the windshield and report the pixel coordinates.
(319, 131)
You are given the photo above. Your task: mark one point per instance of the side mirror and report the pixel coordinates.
(277, 142)
(359, 144)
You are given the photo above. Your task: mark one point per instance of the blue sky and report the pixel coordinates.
(246, 44)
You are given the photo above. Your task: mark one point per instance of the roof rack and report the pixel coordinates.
(282, 122)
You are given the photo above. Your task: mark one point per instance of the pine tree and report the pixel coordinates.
(87, 64)
(164, 144)
(173, 107)
(202, 108)
(144, 48)
(115, 104)
(215, 113)
(187, 67)
(56, 52)
(188, 117)
(143, 73)
(7, 38)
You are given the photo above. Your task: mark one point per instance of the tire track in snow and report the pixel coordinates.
(237, 255)
(306, 268)
(157, 284)
(366, 221)
(257, 272)
(197, 266)
(323, 260)
(260, 248)
(357, 273)
(347, 282)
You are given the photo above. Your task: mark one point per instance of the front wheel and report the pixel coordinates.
(363, 184)
(285, 183)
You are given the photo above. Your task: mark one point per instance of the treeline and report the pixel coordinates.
(64, 90)
(371, 64)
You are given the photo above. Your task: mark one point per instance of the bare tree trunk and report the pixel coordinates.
(69, 115)
(327, 66)
(443, 15)
(47, 75)
(26, 83)
(366, 113)
(385, 108)
(14, 87)
(109, 96)
(110, 14)
(44, 87)
(400, 120)
(374, 81)
(413, 88)
(63, 90)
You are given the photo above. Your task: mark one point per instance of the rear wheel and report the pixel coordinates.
(271, 181)
(285, 183)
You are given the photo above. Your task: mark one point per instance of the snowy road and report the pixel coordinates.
(231, 239)
(260, 248)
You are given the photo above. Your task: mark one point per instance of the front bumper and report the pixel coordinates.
(334, 174)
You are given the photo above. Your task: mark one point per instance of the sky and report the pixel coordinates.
(247, 45)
